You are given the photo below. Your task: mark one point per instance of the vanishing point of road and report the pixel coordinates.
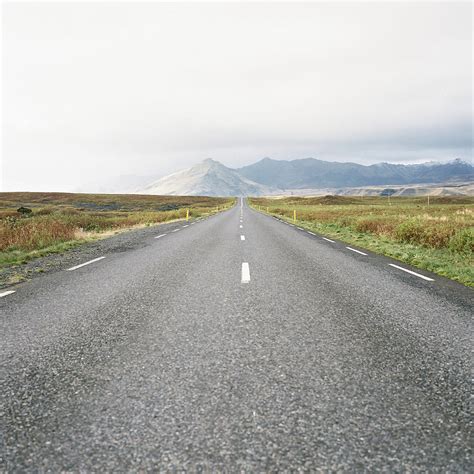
(236, 343)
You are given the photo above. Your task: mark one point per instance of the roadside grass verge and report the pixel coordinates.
(438, 238)
(37, 224)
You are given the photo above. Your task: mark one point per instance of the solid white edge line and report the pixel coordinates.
(245, 272)
(411, 272)
(357, 251)
(6, 293)
(84, 264)
(161, 235)
(176, 230)
(312, 233)
(242, 237)
(329, 240)
(187, 225)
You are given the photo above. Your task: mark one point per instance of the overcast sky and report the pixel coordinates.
(92, 91)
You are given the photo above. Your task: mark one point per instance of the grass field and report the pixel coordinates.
(35, 224)
(438, 236)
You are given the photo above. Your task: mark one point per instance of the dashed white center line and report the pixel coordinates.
(241, 226)
(245, 272)
(412, 273)
(357, 251)
(329, 240)
(242, 237)
(159, 236)
(176, 230)
(84, 264)
(6, 293)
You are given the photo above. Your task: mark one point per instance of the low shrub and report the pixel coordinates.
(410, 231)
(462, 241)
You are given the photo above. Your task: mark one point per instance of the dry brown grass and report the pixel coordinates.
(62, 217)
(32, 234)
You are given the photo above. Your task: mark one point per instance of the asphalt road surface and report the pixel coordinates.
(236, 344)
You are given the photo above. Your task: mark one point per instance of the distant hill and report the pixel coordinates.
(441, 189)
(209, 178)
(313, 173)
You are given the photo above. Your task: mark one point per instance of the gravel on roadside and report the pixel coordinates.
(120, 242)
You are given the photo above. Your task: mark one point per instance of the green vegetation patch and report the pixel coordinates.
(438, 237)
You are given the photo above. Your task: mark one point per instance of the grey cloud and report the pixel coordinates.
(146, 88)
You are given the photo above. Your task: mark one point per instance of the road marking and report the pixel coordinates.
(84, 264)
(309, 232)
(242, 237)
(6, 293)
(357, 251)
(300, 228)
(192, 223)
(187, 225)
(159, 236)
(329, 240)
(176, 230)
(292, 225)
(245, 272)
(241, 226)
(412, 273)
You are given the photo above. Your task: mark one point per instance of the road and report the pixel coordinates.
(200, 350)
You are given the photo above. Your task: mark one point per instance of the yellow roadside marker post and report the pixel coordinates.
(187, 215)
(267, 209)
(294, 216)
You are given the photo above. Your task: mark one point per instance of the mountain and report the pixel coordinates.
(267, 176)
(313, 173)
(208, 178)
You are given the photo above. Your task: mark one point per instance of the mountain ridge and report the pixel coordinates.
(268, 176)
(312, 173)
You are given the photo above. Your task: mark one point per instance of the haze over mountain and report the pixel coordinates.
(269, 176)
(208, 178)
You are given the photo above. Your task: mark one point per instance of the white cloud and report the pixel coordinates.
(136, 88)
